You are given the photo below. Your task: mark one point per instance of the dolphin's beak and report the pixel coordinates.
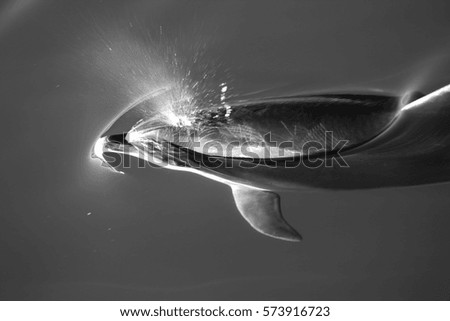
(122, 135)
(112, 144)
(113, 138)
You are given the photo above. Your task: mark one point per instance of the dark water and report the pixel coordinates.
(70, 229)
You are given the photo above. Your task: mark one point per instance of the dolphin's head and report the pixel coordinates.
(150, 130)
(159, 125)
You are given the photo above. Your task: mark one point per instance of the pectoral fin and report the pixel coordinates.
(262, 210)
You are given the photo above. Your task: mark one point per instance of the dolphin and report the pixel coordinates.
(260, 147)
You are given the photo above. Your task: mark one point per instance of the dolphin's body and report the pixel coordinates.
(314, 141)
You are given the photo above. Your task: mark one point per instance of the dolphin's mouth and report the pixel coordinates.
(119, 139)
(116, 144)
(152, 152)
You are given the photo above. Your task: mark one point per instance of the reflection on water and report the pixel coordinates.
(71, 67)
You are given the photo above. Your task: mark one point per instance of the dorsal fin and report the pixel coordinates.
(262, 210)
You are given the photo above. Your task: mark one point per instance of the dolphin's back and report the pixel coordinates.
(414, 149)
(355, 118)
(281, 127)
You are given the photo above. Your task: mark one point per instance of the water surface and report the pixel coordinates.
(71, 229)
